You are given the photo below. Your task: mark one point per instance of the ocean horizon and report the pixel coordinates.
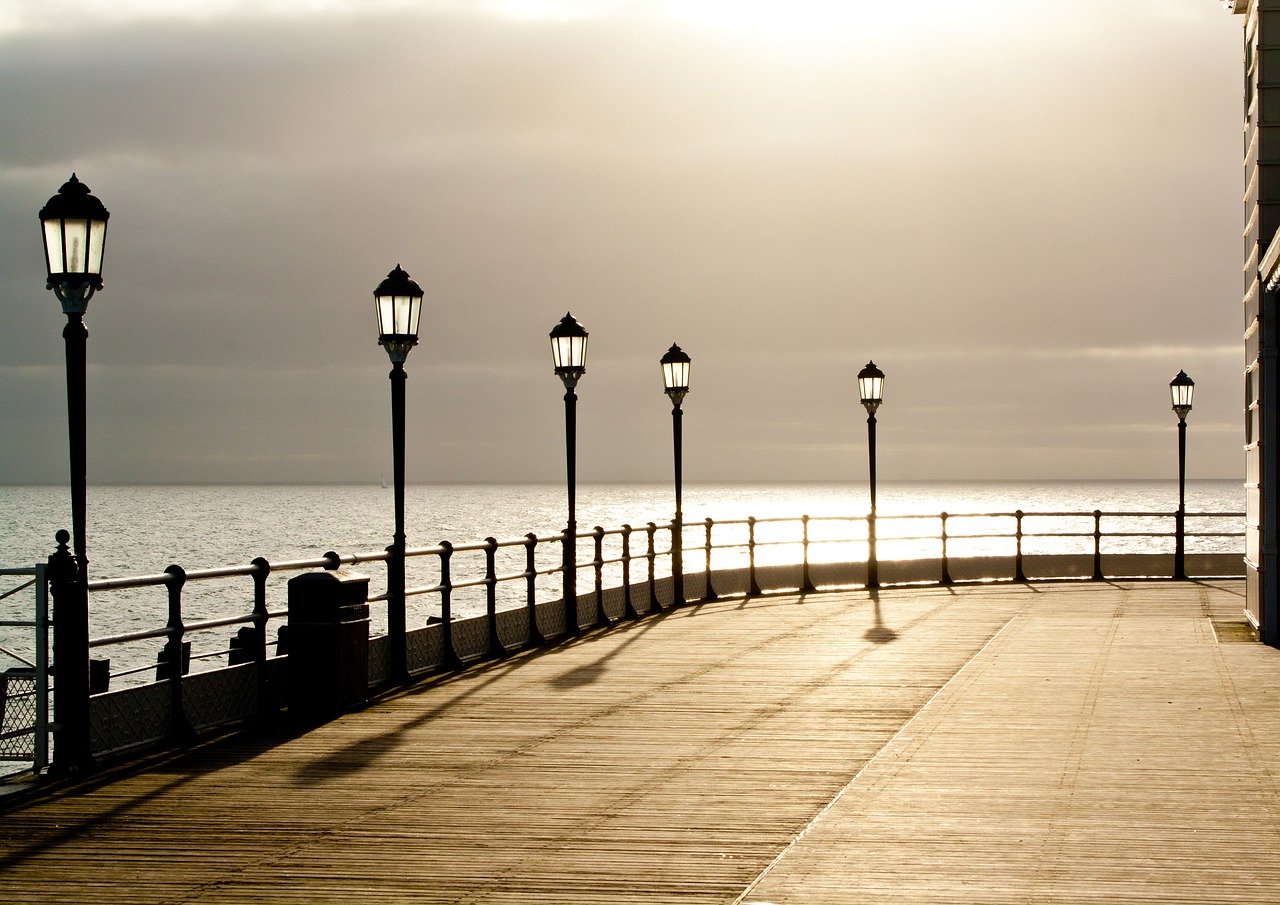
(142, 528)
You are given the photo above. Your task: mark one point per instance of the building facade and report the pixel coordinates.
(1261, 19)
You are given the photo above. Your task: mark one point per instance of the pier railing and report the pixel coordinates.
(24, 670)
(186, 673)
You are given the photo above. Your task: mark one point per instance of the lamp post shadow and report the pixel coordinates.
(879, 633)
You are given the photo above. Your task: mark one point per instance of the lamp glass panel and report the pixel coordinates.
(97, 240)
(1182, 393)
(76, 248)
(386, 316)
(675, 374)
(402, 314)
(871, 388)
(415, 314)
(398, 315)
(53, 246)
(569, 352)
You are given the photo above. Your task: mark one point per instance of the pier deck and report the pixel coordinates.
(1090, 742)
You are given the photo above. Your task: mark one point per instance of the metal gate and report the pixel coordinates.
(24, 670)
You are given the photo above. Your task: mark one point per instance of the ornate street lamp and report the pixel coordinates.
(569, 355)
(1181, 389)
(398, 304)
(675, 380)
(74, 224)
(871, 391)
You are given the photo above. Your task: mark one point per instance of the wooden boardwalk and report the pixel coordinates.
(1088, 742)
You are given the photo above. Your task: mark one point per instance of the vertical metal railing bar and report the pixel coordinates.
(262, 571)
(806, 583)
(946, 564)
(629, 605)
(180, 729)
(536, 638)
(1018, 573)
(1097, 545)
(496, 647)
(449, 653)
(753, 587)
(710, 592)
(655, 606)
(597, 569)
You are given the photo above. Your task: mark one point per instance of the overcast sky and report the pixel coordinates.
(1028, 214)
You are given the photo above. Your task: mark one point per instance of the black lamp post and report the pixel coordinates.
(398, 303)
(75, 229)
(675, 379)
(871, 391)
(1181, 389)
(569, 355)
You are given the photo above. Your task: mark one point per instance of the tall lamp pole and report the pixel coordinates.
(675, 380)
(75, 230)
(871, 391)
(398, 304)
(1181, 389)
(569, 356)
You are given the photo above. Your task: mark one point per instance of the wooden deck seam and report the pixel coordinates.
(998, 639)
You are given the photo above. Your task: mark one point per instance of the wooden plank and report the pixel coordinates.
(1089, 740)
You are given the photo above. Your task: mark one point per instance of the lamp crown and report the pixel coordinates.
(675, 354)
(399, 283)
(73, 202)
(871, 371)
(568, 327)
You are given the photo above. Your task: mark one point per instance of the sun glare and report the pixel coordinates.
(814, 18)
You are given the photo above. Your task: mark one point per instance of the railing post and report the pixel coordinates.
(180, 730)
(1018, 574)
(450, 658)
(597, 565)
(72, 751)
(710, 593)
(262, 569)
(753, 589)
(629, 606)
(655, 606)
(806, 584)
(946, 563)
(1097, 545)
(496, 647)
(536, 638)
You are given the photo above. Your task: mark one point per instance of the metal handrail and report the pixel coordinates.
(175, 578)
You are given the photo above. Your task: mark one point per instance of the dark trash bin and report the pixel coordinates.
(328, 643)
